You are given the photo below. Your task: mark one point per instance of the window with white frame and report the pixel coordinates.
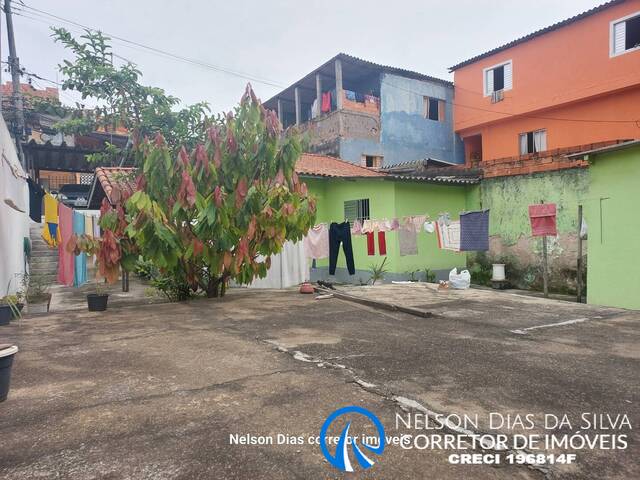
(356, 210)
(625, 34)
(533, 142)
(497, 78)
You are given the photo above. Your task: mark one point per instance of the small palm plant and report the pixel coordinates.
(378, 271)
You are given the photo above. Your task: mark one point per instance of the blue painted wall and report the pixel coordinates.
(405, 134)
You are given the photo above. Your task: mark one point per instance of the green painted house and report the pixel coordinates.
(613, 270)
(342, 188)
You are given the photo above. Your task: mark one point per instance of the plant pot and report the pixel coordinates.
(7, 352)
(498, 272)
(97, 302)
(19, 306)
(5, 314)
(39, 305)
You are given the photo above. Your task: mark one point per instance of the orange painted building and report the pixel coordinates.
(574, 83)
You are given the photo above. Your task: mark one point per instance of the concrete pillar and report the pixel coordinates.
(339, 92)
(280, 111)
(296, 93)
(319, 91)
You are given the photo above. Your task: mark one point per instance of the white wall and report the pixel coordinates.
(14, 225)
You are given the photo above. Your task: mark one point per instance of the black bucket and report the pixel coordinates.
(97, 302)
(5, 314)
(7, 352)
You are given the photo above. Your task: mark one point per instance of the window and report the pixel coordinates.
(625, 34)
(356, 210)
(533, 142)
(434, 109)
(498, 78)
(371, 161)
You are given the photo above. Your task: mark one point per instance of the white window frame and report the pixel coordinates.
(612, 40)
(484, 76)
(533, 132)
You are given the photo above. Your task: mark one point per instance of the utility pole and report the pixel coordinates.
(14, 67)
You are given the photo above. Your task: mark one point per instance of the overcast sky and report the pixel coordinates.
(280, 40)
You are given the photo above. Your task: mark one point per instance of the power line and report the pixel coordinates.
(193, 61)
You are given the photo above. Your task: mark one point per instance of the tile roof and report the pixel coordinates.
(115, 181)
(27, 89)
(537, 33)
(311, 164)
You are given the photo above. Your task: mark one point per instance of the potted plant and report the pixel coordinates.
(37, 295)
(97, 302)
(7, 352)
(10, 308)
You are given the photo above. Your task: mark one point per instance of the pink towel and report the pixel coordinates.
(316, 243)
(543, 219)
(65, 259)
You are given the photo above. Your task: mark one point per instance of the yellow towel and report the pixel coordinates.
(88, 225)
(50, 217)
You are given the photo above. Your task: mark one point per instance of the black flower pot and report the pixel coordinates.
(7, 352)
(97, 302)
(5, 314)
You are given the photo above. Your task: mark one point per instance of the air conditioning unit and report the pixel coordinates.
(497, 96)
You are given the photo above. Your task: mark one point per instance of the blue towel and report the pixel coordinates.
(80, 261)
(474, 231)
(350, 95)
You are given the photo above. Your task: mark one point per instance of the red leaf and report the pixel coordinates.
(187, 191)
(141, 182)
(251, 229)
(184, 156)
(217, 196)
(198, 247)
(159, 140)
(201, 157)
(241, 191)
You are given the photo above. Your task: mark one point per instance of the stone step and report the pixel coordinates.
(44, 253)
(42, 263)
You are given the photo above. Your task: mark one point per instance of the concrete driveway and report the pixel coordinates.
(159, 391)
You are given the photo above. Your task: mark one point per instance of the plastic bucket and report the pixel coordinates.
(498, 272)
(7, 352)
(5, 314)
(97, 302)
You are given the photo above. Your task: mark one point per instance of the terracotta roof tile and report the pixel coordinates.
(115, 181)
(325, 166)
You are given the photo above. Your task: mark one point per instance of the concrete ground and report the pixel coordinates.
(155, 391)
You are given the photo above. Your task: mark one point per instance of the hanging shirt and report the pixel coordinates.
(408, 240)
(35, 201)
(65, 259)
(326, 102)
(474, 231)
(80, 261)
(448, 234)
(50, 228)
(316, 243)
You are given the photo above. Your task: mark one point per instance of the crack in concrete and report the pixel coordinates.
(407, 404)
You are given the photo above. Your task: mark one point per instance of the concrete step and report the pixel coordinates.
(44, 253)
(49, 263)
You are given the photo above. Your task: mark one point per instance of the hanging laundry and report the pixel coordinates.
(65, 259)
(371, 246)
(340, 233)
(382, 243)
(50, 229)
(326, 102)
(96, 226)
(359, 97)
(408, 240)
(474, 231)
(80, 261)
(448, 234)
(543, 219)
(367, 226)
(418, 222)
(314, 109)
(350, 95)
(356, 228)
(395, 224)
(429, 227)
(36, 193)
(316, 243)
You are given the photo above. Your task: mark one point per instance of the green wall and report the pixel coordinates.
(509, 199)
(610, 209)
(389, 199)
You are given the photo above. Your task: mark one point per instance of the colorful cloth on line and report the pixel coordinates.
(50, 228)
(543, 219)
(80, 261)
(474, 231)
(407, 240)
(316, 243)
(448, 234)
(65, 259)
